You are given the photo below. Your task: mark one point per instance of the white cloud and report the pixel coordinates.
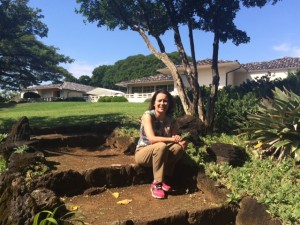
(288, 49)
(285, 47)
(297, 51)
(80, 68)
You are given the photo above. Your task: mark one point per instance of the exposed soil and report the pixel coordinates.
(102, 208)
(82, 159)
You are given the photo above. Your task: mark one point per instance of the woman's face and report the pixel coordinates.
(161, 103)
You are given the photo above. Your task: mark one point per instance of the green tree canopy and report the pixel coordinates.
(24, 60)
(155, 17)
(132, 67)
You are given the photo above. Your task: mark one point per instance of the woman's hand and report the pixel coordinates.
(183, 144)
(177, 138)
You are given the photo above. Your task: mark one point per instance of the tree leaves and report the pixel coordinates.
(25, 61)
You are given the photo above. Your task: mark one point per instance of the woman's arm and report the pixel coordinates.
(178, 138)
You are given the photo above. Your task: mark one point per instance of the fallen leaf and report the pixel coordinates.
(124, 202)
(75, 207)
(116, 194)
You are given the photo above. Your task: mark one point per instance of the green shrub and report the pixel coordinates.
(104, 99)
(224, 138)
(232, 109)
(75, 99)
(112, 99)
(292, 82)
(195, 156)
(178, 111)
(275, 127)
(272, 184)
(119, 99)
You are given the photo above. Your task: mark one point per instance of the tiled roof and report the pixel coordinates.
(283, 63)
(47, 86)
(65, 85)
(154, 78)
(76, 87)
(209, 62)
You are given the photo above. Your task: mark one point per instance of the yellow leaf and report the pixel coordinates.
(124, 202)
(116, 194)
(75, 207)
(258, 145)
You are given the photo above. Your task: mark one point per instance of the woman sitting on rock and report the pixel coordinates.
(159, 145)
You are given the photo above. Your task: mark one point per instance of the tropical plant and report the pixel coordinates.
(275, 185)
(21, 149)
(47, 217)
(3, 137)
(274, 128)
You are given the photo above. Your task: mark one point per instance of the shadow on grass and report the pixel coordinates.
(41, 122)
(7, 105)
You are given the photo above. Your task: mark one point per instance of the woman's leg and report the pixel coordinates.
(156, 156)
(175, 153)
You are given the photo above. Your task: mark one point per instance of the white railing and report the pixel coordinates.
(138, 97)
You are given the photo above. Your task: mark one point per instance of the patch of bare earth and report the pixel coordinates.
(103, 207)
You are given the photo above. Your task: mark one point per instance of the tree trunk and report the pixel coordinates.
(189, 110)
(197, 98)
(215, 84)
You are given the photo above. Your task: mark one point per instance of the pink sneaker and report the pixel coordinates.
(157, 191)
(166, 187)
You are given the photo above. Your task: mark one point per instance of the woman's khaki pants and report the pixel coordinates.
(161, 156)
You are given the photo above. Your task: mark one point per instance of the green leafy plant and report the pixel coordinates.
(276, 185)
(21, 149)
(275, 127)
(195, 156)
(47, 217)
(224, 138)
(2, 164)
(35, 170)
(3, 137)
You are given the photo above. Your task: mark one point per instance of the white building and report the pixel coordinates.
(231, 73)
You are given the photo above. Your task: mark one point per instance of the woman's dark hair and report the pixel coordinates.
(170, 101)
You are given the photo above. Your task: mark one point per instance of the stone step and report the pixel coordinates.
(178, 208)
(80, 174)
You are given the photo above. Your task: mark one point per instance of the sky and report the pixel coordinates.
(273, 30)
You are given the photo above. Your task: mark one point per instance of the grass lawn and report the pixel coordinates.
(52, 114)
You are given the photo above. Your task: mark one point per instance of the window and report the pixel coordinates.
(161, 87)
(136, 90)
(171, 87)
(148, 89)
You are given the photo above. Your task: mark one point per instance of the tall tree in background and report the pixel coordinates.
(133, 67)
(155, 17)
(24, 60)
